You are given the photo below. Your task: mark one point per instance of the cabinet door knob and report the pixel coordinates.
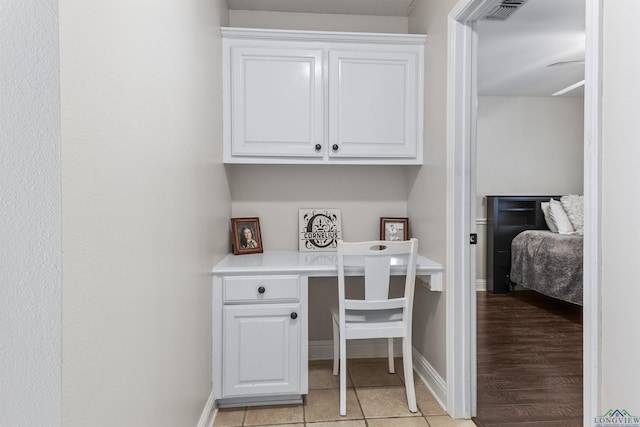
(335, 147)
(318, 147)
(294, 315)
(261, 290)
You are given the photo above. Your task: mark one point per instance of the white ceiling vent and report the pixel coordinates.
(504, 9)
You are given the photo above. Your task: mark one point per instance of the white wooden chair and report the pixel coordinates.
(377, 315)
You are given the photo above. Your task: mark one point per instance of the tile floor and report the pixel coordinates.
(375, 398)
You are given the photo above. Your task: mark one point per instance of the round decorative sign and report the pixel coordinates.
(320, 229)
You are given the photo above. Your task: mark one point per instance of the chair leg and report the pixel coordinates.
(343, 376)
(392, 368)
(407, 361)
(336, 347)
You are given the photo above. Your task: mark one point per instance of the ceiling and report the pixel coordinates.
(514, 55)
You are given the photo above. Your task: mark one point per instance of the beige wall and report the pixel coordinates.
(619, 207)
(145, 208)
(30, 257)
(526, 146)
(317, 21)
(427, 200)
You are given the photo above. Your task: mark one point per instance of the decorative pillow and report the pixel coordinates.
(560, 218)
(574, 207)
(547, 217)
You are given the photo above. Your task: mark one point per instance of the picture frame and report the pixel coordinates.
(319, 230)
(245, 235)
(394, 228)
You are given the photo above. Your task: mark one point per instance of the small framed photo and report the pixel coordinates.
(394, 228)
(245, 233)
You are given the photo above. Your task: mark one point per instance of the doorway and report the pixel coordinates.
(461, 310)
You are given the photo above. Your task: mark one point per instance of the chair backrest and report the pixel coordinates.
(379, 258)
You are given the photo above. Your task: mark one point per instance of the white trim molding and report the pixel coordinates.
(434, 382)
(322, 36)
(208, 416)
(592, 201)
(461, 118)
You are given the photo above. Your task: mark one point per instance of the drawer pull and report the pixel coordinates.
(318, 147)
(335, 147)
(294, 315)
(261, 290)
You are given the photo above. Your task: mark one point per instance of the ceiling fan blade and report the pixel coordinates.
(560, 63)
(569, 88)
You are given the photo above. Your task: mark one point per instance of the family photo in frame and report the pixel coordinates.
(246, 236)
(394, 229)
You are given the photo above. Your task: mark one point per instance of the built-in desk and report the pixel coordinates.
(260, 322)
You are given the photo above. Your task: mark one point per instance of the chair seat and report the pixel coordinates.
(364, 316)
(363, 324)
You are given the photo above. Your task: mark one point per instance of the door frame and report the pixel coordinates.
(461, 181)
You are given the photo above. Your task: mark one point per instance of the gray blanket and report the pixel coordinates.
(549, 263)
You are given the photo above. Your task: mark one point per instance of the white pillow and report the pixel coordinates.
(574, 207)
(547, 217)
(560, 218)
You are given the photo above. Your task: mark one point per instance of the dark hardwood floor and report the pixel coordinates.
(529, 361)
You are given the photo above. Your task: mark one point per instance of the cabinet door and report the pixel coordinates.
(374, 104)
(276, 102)
(262, 349)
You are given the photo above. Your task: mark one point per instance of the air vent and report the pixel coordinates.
(504, 9)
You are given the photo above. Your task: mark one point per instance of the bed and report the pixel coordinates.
(550, 261)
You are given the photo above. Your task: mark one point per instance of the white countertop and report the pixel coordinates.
(312, 264)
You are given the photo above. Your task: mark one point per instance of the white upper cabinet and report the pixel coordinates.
(373, 105)
(276, 102)
(312, 97)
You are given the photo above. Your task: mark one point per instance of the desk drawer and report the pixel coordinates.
(258, 289)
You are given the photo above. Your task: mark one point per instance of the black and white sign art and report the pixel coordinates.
(319, 229)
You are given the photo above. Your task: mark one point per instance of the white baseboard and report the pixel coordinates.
(209, 412)
(481, 284)
(434, 382)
